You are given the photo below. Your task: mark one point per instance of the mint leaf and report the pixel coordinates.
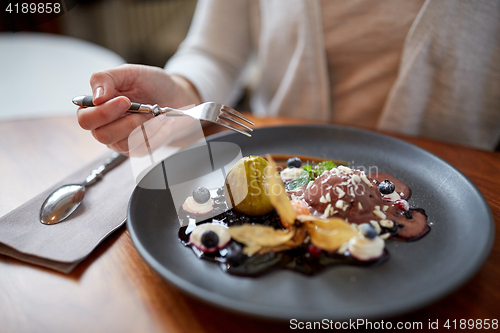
(310, 171)
(300, 181)
(322, 167)
(310, 174)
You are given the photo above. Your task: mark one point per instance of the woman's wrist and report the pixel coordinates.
(188, 91)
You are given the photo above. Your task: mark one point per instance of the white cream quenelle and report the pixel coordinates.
(367, 245)
(191, 206)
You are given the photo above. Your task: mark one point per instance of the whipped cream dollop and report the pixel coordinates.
(365, 249)
(191, 206)
(291, 173)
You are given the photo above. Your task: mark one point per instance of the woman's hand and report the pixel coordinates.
(113, 91)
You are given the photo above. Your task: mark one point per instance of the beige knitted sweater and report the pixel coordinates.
(448, 84)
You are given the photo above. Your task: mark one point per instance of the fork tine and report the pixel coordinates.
(233, 128)
(236, 122)
(235, 113)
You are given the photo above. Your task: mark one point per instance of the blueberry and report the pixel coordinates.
(209, 239)
(386, 187)
(201, 195)
(234, 254)
(369, 231)
(294, 162)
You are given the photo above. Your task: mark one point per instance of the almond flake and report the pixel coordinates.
(345, 169)
(376, 225)
(339, 204)
(385, 236)
(327, 210)
(379, 214)
(343, 248)
(386, 223)
(367, 182)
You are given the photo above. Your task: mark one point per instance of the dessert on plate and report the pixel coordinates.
(299, 216)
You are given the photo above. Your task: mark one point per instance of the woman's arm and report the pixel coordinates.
(215, 52)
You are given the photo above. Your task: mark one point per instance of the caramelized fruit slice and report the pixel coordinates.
(327, 234)
(277, 194)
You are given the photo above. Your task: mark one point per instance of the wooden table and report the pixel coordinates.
(114, 290)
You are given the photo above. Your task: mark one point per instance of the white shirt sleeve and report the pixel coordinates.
(215, 51)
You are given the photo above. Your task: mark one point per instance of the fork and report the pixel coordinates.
(210, 111)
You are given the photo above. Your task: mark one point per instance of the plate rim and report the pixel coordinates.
(241, 307)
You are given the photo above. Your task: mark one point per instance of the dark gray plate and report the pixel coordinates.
(417, 273)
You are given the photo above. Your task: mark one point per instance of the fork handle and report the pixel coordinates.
(88, 101)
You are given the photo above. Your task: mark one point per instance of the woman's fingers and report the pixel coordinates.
(136, 144)
(138, 139)
(150, 136)
(103, 87)
(94, 117)
(120, 147)
(113, 90)
(119, 129)
(104, 84)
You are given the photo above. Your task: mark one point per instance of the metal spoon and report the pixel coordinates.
(65, 200)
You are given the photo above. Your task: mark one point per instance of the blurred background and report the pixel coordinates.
(44, 65)
(145, 32)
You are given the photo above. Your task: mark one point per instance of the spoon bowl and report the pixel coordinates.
(61, 203)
